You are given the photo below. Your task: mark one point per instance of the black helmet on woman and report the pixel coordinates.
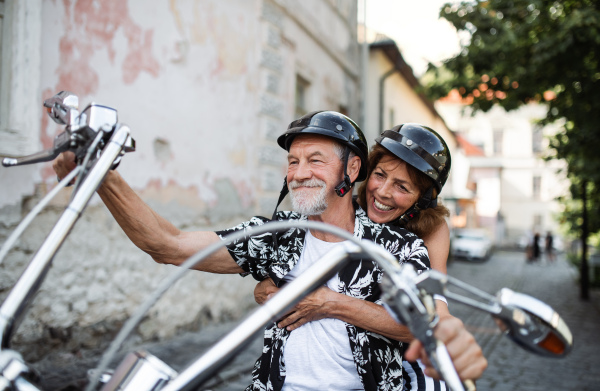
(424, 149)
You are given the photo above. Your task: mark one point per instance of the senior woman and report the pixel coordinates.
(407, 169)
(408, 166)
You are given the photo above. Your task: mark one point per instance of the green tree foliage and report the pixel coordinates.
(518, 51)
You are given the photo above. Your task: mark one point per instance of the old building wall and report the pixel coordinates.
(402, 104)
(206, 87)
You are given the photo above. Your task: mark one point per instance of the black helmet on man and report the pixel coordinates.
(338, 127)
(421, 147)
(331, 124)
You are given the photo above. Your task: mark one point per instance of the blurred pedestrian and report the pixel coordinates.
(549, 247)
(535, 246)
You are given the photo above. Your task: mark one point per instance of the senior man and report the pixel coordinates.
(356, 347)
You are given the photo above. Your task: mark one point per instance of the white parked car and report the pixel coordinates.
(471, 244)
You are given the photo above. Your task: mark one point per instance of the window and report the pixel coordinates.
(20, 108)
(5, 138)
(498, 140)
(301, 96)
(1, 24)
(537, 138)
(2, 65)
(537, 187)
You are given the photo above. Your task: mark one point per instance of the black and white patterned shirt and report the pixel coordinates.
(378, 359)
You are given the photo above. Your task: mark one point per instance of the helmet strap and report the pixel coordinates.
(424, 202)
(282, 194)
(344, 186)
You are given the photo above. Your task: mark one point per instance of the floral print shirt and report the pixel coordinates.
(378, 359)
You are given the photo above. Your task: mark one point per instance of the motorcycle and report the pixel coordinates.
(99, 142)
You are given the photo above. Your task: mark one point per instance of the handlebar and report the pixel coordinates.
(408, 298)
(80, 131)
(98, 142)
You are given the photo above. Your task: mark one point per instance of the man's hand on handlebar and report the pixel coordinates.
(64, 164)
(462, 347)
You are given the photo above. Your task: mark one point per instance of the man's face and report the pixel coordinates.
(314, 169)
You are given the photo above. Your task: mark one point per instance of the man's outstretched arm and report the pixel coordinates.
(149, 231)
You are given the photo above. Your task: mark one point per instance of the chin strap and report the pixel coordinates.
(282, 194)
(424, 202)
(344, 186)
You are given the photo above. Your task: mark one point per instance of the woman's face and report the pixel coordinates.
(390, 191)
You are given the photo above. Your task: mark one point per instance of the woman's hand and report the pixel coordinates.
(264, 290)
(312, 307)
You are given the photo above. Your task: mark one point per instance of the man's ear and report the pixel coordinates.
(353, 168)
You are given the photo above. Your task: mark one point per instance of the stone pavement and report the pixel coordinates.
(510, 367)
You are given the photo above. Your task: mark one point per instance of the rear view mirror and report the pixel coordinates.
(533, 325)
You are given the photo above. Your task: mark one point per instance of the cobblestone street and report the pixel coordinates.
(510, 367)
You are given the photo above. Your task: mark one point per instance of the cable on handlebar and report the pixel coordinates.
(90, 151)
(197, 259)
(34, 212)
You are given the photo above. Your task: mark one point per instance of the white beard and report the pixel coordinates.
(309, 202)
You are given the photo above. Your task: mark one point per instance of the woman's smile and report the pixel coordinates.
(384, 208)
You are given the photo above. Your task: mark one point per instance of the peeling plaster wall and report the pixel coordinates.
(206, 87)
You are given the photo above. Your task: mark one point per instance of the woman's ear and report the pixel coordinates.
(354, 168)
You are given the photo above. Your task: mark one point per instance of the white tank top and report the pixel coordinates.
(317, 355)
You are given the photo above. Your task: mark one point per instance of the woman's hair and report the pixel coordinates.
(427, 220)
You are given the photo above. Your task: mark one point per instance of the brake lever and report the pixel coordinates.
(62, 143)
(81, 130)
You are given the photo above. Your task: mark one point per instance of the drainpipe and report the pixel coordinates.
(364, 69)
(381, 96)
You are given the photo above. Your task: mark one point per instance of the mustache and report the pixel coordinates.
(314, 182)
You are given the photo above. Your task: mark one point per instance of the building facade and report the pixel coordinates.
(515, 187)
(393, 98)
(206, 88)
